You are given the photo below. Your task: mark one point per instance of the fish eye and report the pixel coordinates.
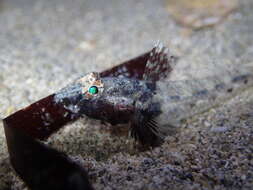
(91, 85)
(93, 90)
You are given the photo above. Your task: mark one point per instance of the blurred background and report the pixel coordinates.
(45, 44)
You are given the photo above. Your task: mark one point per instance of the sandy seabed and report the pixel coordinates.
(46, 44)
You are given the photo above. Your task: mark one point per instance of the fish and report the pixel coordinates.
(142, 92)
(122, 97)
(152, 103)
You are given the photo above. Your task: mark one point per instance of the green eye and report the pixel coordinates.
(93, 90)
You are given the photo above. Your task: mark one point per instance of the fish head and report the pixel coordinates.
(107, 98)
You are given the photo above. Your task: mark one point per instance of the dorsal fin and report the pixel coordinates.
(160, 63)
(152, 66)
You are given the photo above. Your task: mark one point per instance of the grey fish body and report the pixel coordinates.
(117, 101)
(155, 96)
(151, 108)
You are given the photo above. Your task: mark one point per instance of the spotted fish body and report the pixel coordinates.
(152, 102)
(119, 101)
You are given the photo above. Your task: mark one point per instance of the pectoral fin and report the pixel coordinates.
(146, 132)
